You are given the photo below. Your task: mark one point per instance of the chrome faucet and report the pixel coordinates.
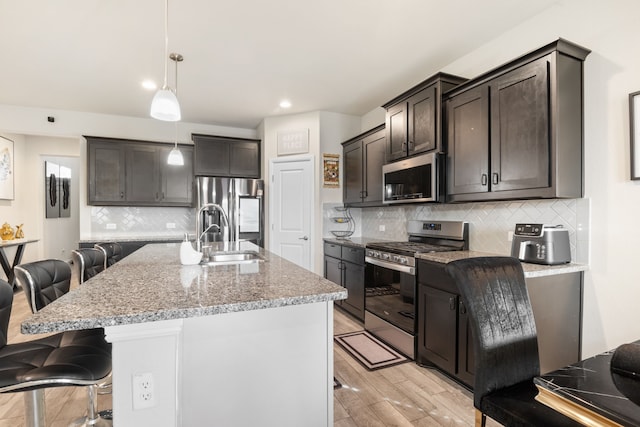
(203, 208)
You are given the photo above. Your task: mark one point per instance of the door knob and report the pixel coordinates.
(303, 238)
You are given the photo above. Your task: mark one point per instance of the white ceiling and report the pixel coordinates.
(241, 56)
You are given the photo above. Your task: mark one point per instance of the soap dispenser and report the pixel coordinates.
(188, 255)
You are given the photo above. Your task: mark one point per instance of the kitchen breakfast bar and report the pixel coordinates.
(240, 344)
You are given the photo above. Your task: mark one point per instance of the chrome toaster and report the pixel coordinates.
(541, 244)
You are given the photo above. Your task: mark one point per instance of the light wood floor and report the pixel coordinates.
(402, 395)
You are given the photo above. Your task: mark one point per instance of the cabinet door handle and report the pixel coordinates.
(452, 303)
(495, 178)
(463, 309)
(410, 144)
(122, 194)
(364, 194)
(484, 179)
(303, 238)
(404, 146)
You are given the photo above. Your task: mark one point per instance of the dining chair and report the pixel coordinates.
(43, 282)
(88, 262)
(112, 252)
(505, 341)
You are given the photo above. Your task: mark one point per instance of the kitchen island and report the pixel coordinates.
(239, 344)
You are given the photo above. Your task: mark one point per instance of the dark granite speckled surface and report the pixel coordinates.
(151, 285)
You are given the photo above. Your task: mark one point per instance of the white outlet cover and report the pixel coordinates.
(382, 227)
(143, 391)
(111, 226)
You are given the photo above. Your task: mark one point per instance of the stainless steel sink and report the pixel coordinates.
(223, 258)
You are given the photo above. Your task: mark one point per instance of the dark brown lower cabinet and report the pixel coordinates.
(444, 337)
(344, 265)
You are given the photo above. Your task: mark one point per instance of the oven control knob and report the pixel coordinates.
(386, 256)
(403, 260)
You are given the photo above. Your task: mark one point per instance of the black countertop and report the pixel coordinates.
(589, 385)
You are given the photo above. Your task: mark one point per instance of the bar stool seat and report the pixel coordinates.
(74, 358)
(112, 252)
(88, 262)
(85, 354)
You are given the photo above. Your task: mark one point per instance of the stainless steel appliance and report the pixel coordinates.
(416, 179)
(390, 279)
(241, 200)
(541, 244)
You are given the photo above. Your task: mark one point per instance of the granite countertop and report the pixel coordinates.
(151, 285)
(359, 242)
(530, 270)
(153, 238)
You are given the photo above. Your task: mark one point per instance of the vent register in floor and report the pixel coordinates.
(368, 350)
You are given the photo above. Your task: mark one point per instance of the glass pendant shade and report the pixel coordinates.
(175, 157)
(165, 106)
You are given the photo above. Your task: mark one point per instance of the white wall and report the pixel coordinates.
(326, 132)
(28, 206)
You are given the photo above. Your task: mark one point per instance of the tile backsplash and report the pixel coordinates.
(116, 221)
(490, 223)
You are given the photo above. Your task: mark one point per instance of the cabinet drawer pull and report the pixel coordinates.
(484, 179)
(495, 179)
(452, 303)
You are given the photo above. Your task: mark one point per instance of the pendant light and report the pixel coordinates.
(175, 156)
(165, 104)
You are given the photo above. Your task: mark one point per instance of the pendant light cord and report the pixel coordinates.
(166, 41)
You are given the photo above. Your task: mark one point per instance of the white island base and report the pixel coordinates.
(266, 367)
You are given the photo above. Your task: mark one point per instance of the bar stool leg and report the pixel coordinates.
(93, 418)
(34, 408)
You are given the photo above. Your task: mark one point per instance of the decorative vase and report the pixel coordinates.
(19, 232)
(7, 231)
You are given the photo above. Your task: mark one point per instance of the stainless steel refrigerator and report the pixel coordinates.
(242, 201)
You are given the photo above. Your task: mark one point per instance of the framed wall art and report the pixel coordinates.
(331, 170)
(634, 125)
(6, 169)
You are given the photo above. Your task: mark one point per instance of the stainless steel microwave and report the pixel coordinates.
(412, 180)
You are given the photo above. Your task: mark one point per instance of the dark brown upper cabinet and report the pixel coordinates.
(228, 157)
(363, 157)
(413, 119)
(136, 173)
(516, 132)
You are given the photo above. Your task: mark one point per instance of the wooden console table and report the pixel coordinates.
(8, 268)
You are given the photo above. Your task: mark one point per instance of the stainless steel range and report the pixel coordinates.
(390, 279)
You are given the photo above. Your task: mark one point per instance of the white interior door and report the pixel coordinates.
(291, 212)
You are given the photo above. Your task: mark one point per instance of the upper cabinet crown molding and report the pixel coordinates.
(414, 119)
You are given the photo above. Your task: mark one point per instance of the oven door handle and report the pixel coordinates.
(391, 266)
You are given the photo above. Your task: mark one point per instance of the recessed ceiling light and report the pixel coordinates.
(149, 85)
(285, 103)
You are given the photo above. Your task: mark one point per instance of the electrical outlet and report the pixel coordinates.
(171, 225)
(143, 391)
(382, 228)
(509, 236)
(111, 226)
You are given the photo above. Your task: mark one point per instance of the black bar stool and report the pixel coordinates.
(77, 358)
